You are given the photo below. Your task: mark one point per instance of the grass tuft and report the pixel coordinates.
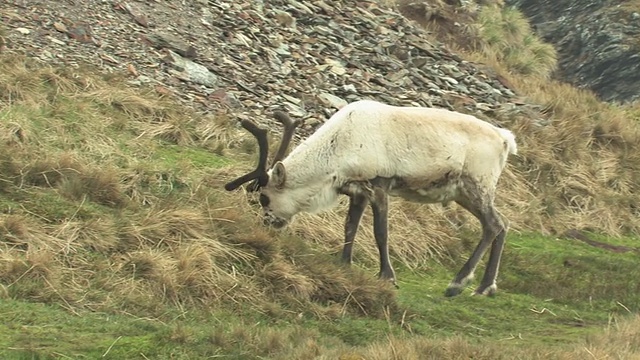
(504, 33)
(50, 172)
(282, 278)
(131, 234)
(98, 184)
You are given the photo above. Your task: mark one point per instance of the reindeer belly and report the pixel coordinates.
(439, 190)
(441, 194)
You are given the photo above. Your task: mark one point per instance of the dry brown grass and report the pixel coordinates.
(116, 210)
(582, 162)
(216, 133)
(619, 341)
(415, 238)
(99, 225)
(555, 183)
(577, 167)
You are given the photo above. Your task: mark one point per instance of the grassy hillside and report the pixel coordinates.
(577, 166)
(117, 240)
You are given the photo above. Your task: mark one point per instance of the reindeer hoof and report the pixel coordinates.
(391, 281)
(385, 276)
(490, 290)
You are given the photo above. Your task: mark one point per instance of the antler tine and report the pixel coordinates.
(289, 130)
(260, 172)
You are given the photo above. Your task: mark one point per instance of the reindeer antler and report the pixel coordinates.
(289, 130)
(260, 172)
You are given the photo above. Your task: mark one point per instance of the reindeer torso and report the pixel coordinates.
(419, 154)
(369, 150)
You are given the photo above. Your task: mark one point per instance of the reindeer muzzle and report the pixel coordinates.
(274, 222)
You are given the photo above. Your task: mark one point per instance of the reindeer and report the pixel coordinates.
(369, 151)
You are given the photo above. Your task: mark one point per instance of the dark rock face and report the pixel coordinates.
(598, 43)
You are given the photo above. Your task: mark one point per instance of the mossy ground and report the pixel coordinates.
(117, 241)
(516, 317)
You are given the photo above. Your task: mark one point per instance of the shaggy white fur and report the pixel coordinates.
(367, 139)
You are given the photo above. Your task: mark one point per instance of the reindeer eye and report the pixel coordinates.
(264, 200)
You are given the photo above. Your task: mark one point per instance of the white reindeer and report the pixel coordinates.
(369, 150)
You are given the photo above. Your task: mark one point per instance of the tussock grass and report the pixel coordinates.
(581, 162)
(499, 33)
(111, 201)
(619, 340)
(504, 33)
(415, 238)
(576, 166)
(115, 194)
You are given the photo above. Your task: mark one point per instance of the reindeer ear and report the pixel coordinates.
(278, 175)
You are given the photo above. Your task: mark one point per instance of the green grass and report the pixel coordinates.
(31, 330)
(175, 156)
(516, 315)
(126, 246)
(626, 241)
(49, 206)
(550, 291)
(572, 272)
(504, 33)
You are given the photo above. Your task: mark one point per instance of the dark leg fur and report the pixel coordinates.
(493, 233)
(380, 207)
(488, 283)
(357, 204)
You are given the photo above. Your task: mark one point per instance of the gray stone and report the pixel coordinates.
(161, 40)
(332, 100)
(188, 70)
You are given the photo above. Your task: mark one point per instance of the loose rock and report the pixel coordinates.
(250, 57)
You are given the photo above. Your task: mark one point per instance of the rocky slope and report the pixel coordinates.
(250, 57)
(598, 42)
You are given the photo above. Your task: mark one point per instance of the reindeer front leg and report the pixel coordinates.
(380, 207)
(357, 204)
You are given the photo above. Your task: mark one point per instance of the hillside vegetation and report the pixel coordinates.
(118, 241)
(577, 167)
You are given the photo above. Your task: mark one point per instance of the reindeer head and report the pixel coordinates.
(276, 204)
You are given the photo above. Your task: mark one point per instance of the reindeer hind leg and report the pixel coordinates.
(481, 206)
(488, 284)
